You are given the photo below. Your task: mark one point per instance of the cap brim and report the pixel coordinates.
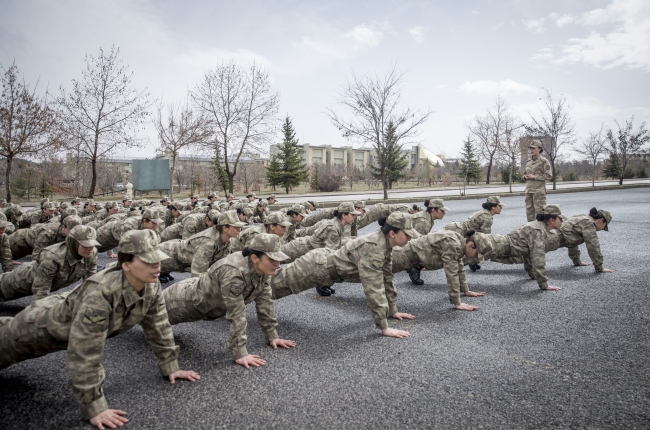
(285, 224)
(157, 220)
(278, 256)
(412, 233)
(154, 256)
(606, 227)
(444, 208)
(88, 243)
(355, 212)
(5, 224)
(237, 224)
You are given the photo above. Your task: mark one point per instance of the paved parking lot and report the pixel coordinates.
(525, 359)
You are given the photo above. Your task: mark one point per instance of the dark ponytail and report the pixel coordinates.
(247, 252)
(469, 233)
(596, 214)
(489, 206)
(544, 217)
(416, 208)
(426, 204)
(385, 227)
(337, 214)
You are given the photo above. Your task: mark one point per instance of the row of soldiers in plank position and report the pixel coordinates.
(232, 267)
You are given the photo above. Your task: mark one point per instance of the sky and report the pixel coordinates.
(456, 57)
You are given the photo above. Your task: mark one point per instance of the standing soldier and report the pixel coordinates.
(32, 240)
(225, 290)
(536, 173)
(105, 305)
(56, 267)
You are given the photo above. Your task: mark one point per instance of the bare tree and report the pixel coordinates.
(102, 112)
(241, 106)
(179, 128)
(489, 130)
(510, 148)
(592, 148)
(627, 144)
(27, 122)
(554, 122)
(374, 102)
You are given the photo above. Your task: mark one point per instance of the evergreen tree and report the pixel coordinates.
(292, 170)
(469, 167)
(314, 183)
(391, 157)
(612, 167)
(45, 190)
(273, 172)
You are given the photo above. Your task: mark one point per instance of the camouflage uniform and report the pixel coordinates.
(366, 259)
(195, 223)
(320, 215)
(182, 252)
(109, 234)
(37, 216)
(225, 290)
(291, 231)
(248, 234)
(105, 305)
(32, 240)
(379, 210)
(580, 229)
(5, 250)
(536, 188)
(438, 250)
(55, 268)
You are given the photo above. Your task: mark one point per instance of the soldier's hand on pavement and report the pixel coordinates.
(112, 255)
(466, 307)
(391, 332)
(283, 343)
(583, 264)
(474, 294)
(190, 375)
(552, 288)
(250, 360)
(607, 271)
(17, 263)
(401, 315)
(111, 418)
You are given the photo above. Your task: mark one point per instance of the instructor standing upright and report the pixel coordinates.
(536, 173)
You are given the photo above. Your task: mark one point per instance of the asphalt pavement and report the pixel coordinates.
(576, 358)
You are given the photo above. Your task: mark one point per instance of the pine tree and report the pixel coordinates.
(292, 170)
(314, 183)
(45, 190)
(394, 160)
(612, 167)
(273, 172)
(469, 167)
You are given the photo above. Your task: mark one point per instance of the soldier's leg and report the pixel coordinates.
(176, 301)
(296, 249)
(528, 266)
(23, 337)
(540, 202)
(530, 207)
(17, 283)
(309, 271)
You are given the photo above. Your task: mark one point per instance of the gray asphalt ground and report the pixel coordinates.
(577, 358)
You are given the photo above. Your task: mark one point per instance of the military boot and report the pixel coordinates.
(414, 274)
(323, 291)
(163, 278)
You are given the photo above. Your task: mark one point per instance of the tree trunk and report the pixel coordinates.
(10, 159)
(171, 178)
(554, 175)
(510, 179)
(93, 182)
(489, 171)
(231, 181)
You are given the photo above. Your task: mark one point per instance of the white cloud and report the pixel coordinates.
(195, 62)
(333, 43)
(417, 33)
(624, 43)
(365, 35)
(494, 87)
(562, 20)
(536, 25)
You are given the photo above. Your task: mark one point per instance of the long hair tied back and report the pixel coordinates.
(596, 214)
(385, 227)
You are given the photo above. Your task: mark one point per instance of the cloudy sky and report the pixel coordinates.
(458, 57)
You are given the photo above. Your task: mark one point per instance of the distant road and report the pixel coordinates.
(441, 192)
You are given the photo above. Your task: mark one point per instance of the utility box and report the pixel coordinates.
(150, 175)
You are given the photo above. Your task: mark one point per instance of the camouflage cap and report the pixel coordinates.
(152, 215)
(552, 210)
(230, 195)
(535, 144)
(404, 222)
(194, 196)
(251, 194)
(49, 206)
(483, 245)
(360, 204)
(272, 196)
(164, 199)
(347, 207)
(112, 205)
(277, 218)
(299, 209)
(3, 201)
(608, 218)
(16, 211)
(212, 214)
(243, 200)
(248, 212)
(437, 204)
(495, 200)
(5, 224)
(85, 235)
(64, 205)
(143, 244)
(72, 221)
(308, 204)
(270, 244)
(45, 200)
(263, 203)
(230, 218)
(89, 202)
(71, 211)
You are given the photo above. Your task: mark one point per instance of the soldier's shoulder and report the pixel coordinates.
(109, 280)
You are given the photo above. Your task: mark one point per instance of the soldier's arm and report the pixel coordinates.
(232, 286)
(308, 231)
(546, 173)
(85, 350)
(486, 224)
(160, 337)
(538, 258)
(44, 272)
(92, 262)
(41, 241)
(371, 276)
(593, 246)
(188, 230)
(266, 314)
(5, 254)
(389, 288)
(453, 269)
(202, 258)
(574, 255)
